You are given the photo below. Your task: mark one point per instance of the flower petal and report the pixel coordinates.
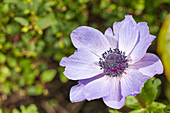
(76, 94)
(82, 64)
(115, 99)
(143, 80)
(131, 82)
(90, 38)
(111, 39)
(86, 81)
(128, 36)
(99, 88)
(149, 65)
(109, 101)
(116, 25)
(144, 42)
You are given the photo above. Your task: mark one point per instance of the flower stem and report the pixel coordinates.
(140, 101)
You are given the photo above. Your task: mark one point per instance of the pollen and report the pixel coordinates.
(113, 62)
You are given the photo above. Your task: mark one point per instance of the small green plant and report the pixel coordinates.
(23, 109)
(145, 101)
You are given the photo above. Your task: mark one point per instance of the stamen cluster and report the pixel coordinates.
(113, 62)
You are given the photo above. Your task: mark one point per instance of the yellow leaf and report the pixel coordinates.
(163, 46)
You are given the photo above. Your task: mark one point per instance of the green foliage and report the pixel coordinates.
(48, 75)
(30, 109)
(21, 21)
(132, 102)
(167, 90)
(2, 58)
(164, 45)
(63, 78)
(35, 90)
(114, 111)
(149, 92)
(1, 110)
(35, 33)
(145, 102)
(140, 111)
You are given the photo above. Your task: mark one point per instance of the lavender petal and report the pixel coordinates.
(76, 94)
(91, 39)
(145, 41)
(149, 65)
(99, 88)
(131, 82)
(111, 38)
(82, 64)
(128, 36)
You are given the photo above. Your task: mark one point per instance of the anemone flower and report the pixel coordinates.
(112, 65)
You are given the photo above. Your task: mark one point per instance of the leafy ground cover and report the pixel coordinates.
(34, 36)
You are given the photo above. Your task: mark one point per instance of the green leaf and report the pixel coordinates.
(157, 105)
(13, 28)
(2, 78)
(83, 1)
(114, 111)
(22, 81)
(1, 110)
(22, 21)
(17, 52)
(15, 111)
(140, 111)
(35, 5)
(132, 102)
(2, 38)
(25, 29)
(5, 8)
(48, 75)
(11, 1)
(30, 77)
(44, 22)
(32, 90)
(167, 90)
(149, 91)
(39, 89)
(30, 109)
(7, 45)
(69, 15)
(58, 56)
(63, 78)
(163, 45)
(23, 108)
(35, 90)
(22, 5)
(25, 63)
(40, 45)
(4, 70)
(53, 102)
(167, 109)
(7, 88)
(2, 58)
(12, 62)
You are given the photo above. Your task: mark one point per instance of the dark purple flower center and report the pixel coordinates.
(113, 62)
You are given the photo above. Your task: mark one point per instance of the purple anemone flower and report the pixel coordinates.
(112, 65)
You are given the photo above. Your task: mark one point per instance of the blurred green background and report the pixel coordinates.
(35, 35)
